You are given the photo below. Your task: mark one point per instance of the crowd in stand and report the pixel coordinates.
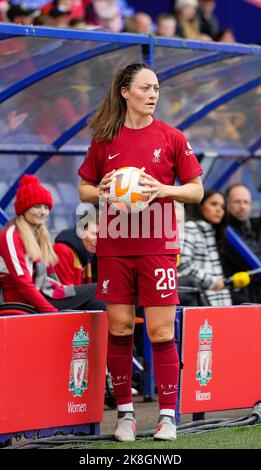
(188, 19)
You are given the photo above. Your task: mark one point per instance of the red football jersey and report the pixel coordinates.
(166, 154)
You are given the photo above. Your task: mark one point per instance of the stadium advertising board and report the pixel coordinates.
(221, 352)
(52, 370)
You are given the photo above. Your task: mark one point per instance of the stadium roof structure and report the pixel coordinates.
(51, 81)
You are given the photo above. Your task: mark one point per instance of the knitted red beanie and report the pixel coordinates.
(29, 193)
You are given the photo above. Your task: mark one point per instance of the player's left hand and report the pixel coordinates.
(152, 187)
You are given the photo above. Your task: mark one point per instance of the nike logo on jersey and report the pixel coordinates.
(166, 295)
(110, 157)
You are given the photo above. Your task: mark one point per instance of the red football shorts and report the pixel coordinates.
(153, 279)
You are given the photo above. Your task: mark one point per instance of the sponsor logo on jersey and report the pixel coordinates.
(190, 151)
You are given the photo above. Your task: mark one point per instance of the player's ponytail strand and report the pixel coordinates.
(110, 116)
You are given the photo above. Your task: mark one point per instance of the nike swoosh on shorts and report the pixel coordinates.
(166, 295)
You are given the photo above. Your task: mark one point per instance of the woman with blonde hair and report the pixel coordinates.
(188, 24)
(27, 258)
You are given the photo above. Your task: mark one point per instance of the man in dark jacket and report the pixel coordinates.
(239, 206)
(208, 22)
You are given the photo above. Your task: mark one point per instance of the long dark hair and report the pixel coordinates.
(195, 212)
(110, 116)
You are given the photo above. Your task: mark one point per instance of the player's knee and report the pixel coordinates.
(118, 331)
(160, 335)
(121, 329)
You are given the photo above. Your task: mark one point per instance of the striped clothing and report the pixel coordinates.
(200, 258)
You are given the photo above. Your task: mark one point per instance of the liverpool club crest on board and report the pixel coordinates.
(204, 359)
(79, 364)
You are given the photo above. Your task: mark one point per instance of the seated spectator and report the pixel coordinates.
(140, 23)
(106, 14)
(26, 253)
(3, 9)
(22, 14)
(166, 25)
(201, 250)
(225, 35)
(77, 262)
(239, 206)
(190, 293)
(73, 8)
(208, 22)
(59, 16)
(188, 20)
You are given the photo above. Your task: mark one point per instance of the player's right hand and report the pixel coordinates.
(105, 184)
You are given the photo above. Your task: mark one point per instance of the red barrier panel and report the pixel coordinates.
(52, 370)
(221, 351)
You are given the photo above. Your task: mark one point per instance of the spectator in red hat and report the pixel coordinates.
(26, 253)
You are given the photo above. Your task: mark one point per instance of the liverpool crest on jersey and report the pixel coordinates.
(204, 359)
(79, 365)
(156, 154)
